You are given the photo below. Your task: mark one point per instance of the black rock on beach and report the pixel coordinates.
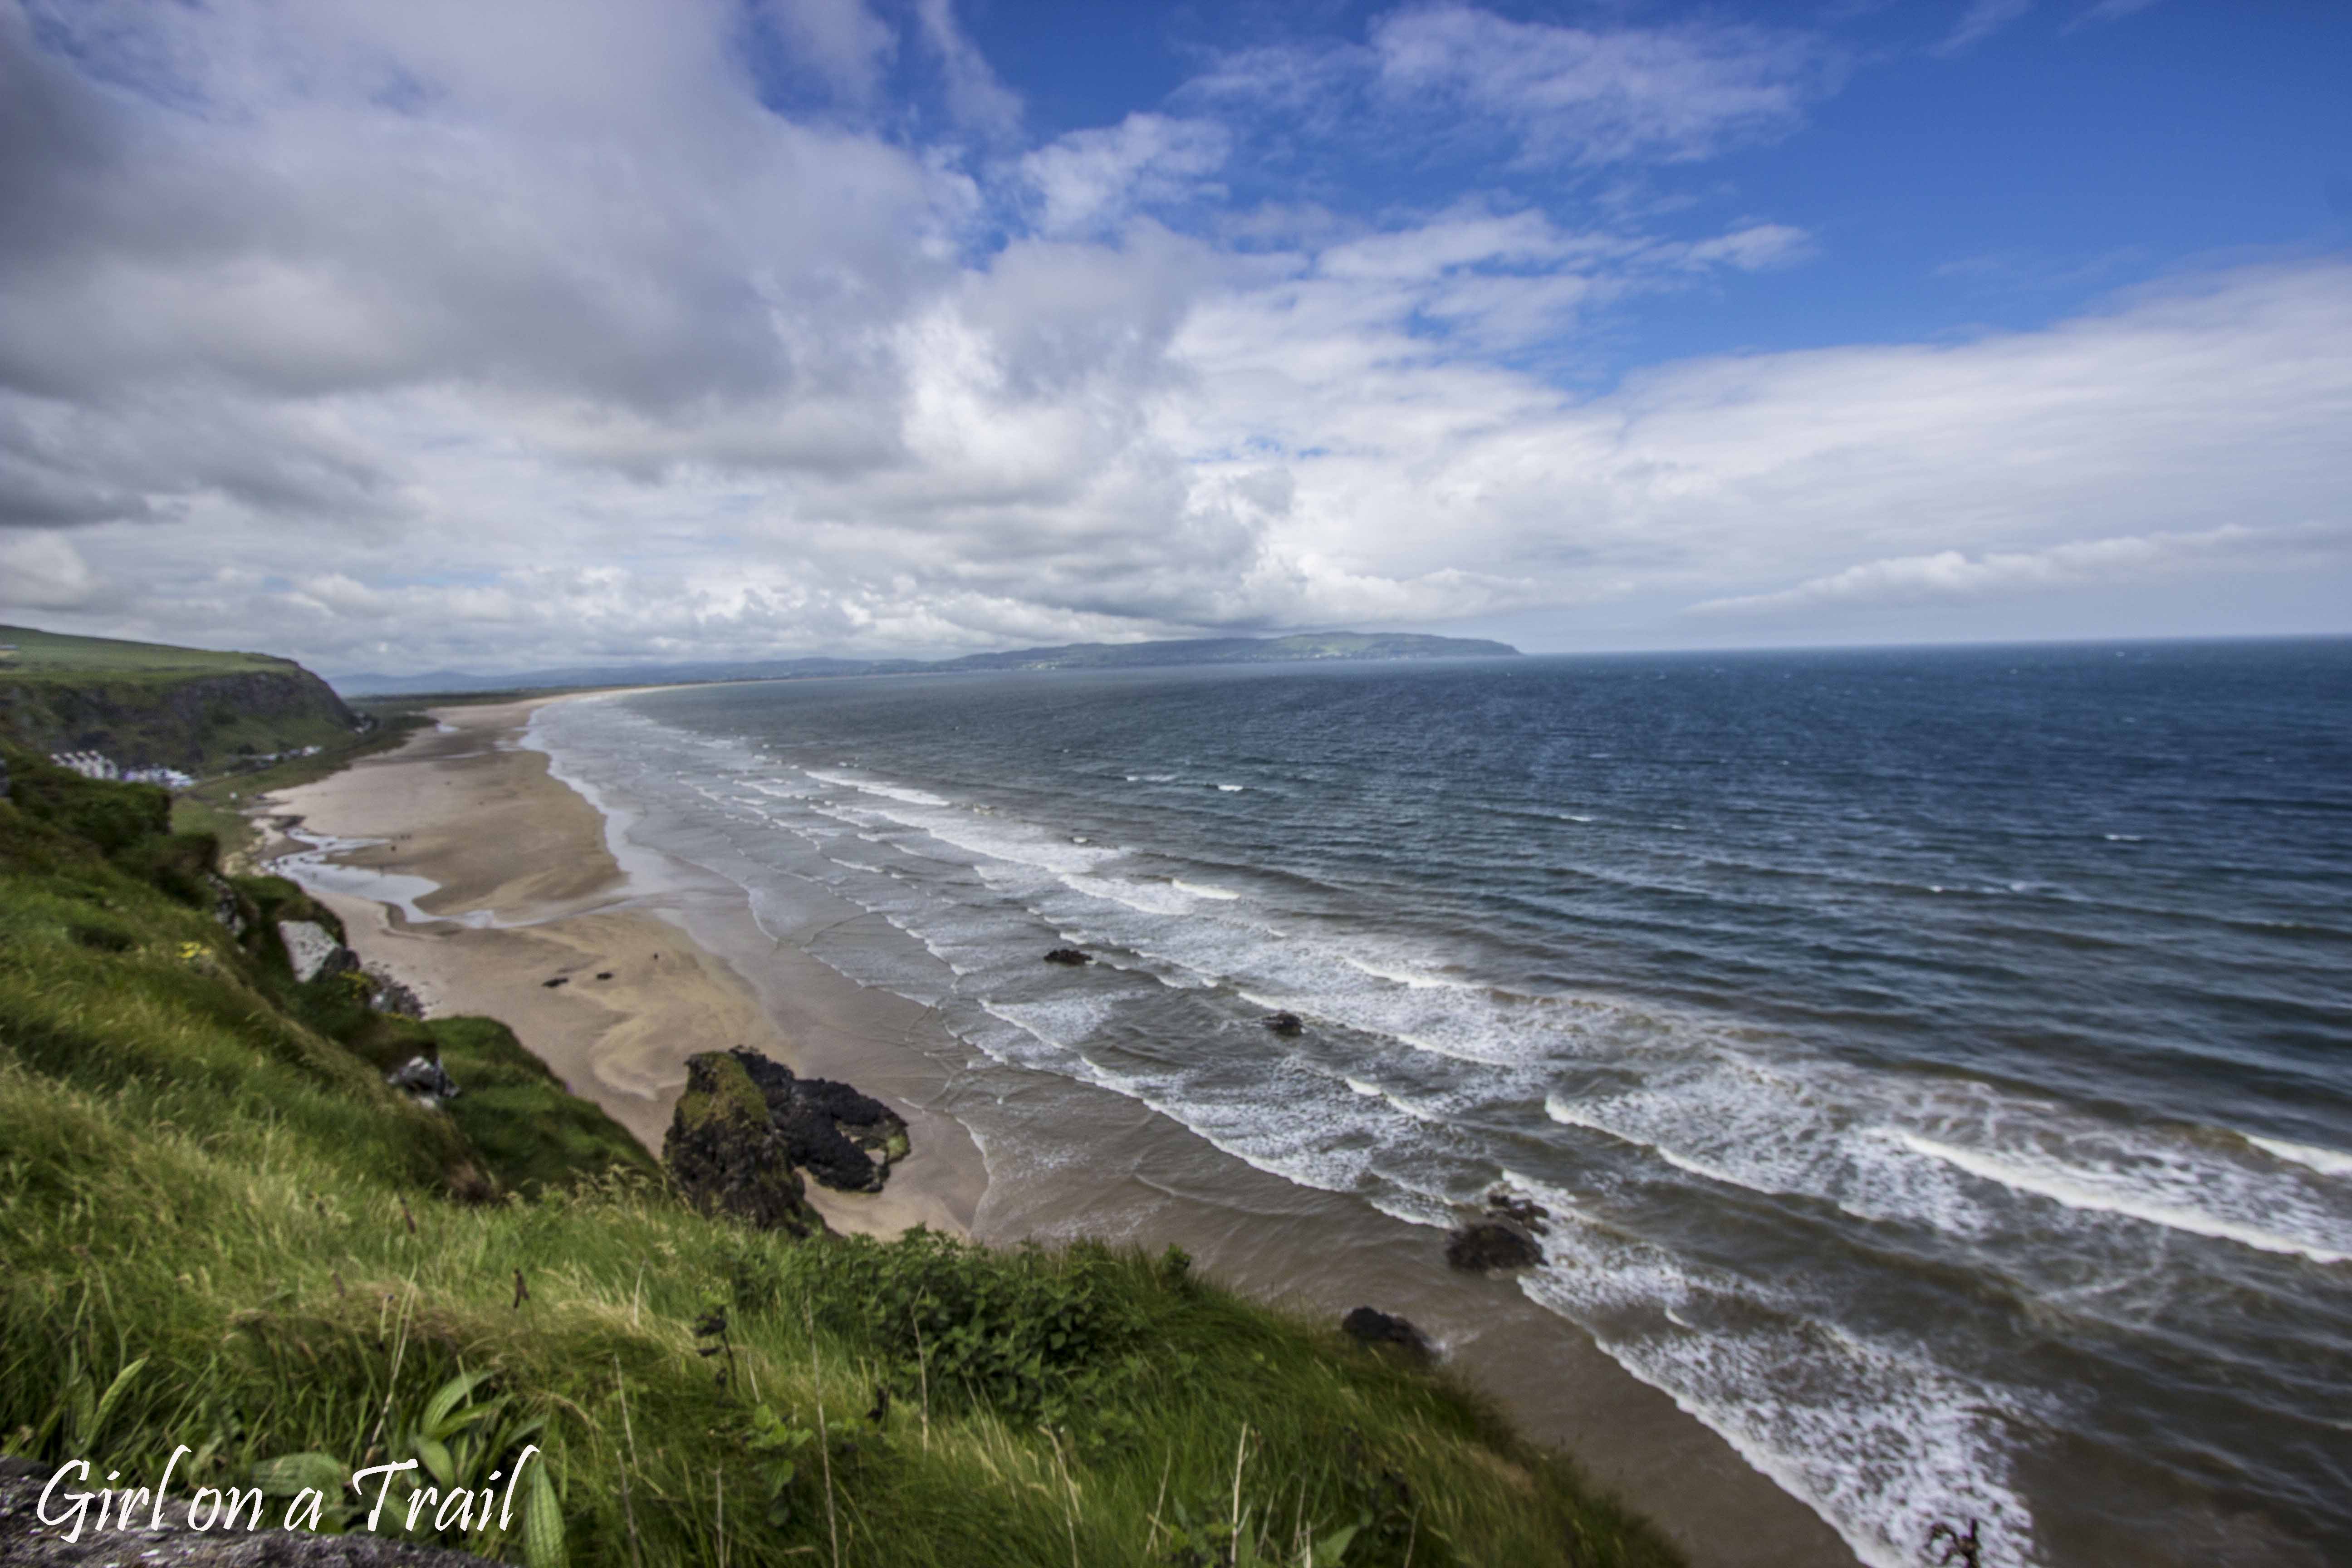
(1376, 1330)
(847, 1141)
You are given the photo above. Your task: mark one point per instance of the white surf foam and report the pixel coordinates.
(2106, 1192)
(1204, 889)
(875, 787)
(2327, 1162)
(1873, 1434)
(1400, 976)
(1143, 897)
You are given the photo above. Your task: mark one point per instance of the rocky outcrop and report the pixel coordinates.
(389, 996)
(1382, 1331)
(425, 1082)
(1484, 1246)
(1287, 1024)
(312, 950)
(847, 1141)
(725, 1153)
(1070, 956)
(25, 1542)
(231, 910)
(1525, 1213)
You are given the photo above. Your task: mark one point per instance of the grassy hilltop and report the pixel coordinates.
(145, 704)
(222, 1228)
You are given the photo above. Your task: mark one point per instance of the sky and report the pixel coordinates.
(503, 336)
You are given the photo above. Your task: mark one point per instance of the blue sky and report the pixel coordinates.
(443, 335)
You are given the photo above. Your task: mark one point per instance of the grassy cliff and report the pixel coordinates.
(147, 705)
(222, 1230)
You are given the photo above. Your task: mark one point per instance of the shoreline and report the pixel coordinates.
(479, 808)
(524, 859)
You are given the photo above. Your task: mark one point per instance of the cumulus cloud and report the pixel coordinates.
(420, 336)
(841, 42)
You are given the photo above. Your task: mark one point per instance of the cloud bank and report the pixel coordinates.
(405, 337)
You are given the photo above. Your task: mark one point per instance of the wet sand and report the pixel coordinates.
(472, 809)
(467, 808)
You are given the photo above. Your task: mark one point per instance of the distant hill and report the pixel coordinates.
(148, 705)
(1072, 656)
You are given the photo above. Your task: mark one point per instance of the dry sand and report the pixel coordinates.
(525, 857)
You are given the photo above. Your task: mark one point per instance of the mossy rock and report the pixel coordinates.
(726, 1154)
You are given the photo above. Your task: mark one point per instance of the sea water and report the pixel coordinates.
(1937, 1064)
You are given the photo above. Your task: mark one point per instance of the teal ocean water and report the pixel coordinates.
(1938, 1063)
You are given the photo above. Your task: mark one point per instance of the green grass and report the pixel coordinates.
(221, 1230)
(145, 704)
(54, 655)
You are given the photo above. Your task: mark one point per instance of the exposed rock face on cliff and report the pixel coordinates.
(312, 950)
(195, 724)
(143, 705)
(726, 1154)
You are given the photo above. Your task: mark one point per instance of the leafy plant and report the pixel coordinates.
(1036, 1337)
(776, 1442)
(458, 1444)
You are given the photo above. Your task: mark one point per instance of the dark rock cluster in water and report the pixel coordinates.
(1484, 1246)
(1068, 955)
(1504, 1237)
(1524, 1212)
(1286, 1024)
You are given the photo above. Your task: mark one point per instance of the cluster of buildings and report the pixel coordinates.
(98, 765)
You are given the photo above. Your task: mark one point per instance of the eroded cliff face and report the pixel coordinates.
(196, 722)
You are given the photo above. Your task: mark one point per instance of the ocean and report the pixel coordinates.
(1936, 1063)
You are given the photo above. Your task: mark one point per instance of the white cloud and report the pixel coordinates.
(976, 98)
(1981, 21)
(1594, 97)
(840, 41)
(413, 346)
(1951, 576)
(1091, 181)
(43, 571)
(1446, 78)
(2115, 10)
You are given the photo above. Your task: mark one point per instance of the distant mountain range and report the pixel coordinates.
(1072, 656)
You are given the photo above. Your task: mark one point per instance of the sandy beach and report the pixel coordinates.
(530, 892)
(470, 870)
